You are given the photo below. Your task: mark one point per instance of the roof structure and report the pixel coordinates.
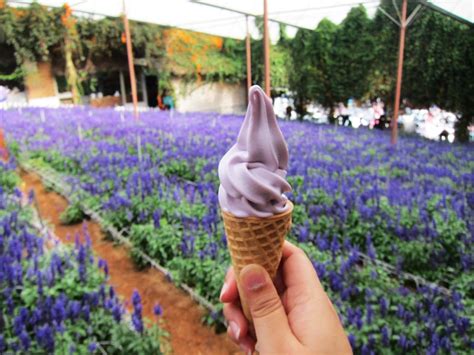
(227, 18)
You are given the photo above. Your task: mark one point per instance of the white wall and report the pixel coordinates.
(52, 102)
(210, 97)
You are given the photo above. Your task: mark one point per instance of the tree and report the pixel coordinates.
(300, 78)
(439, 69)
(352, 55)
(322, 87)
(280, 59)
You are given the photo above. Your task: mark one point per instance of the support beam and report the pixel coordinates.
(249, 56)
(266, 48)
(445, 12)
(123, 89)
(401, 50)
(144, 89)
(201, 2)
(131, 66)
(413, 14)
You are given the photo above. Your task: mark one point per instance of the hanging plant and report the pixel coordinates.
(33, 32)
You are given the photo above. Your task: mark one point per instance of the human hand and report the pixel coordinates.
(295, 317)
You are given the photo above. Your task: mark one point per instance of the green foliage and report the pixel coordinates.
(8, 179)
(17, 74)
(321, 81)
(102, 41)
(72, 214)
(280, 64)
(352, 55)
(33, 32)
(112, 338)
(99, 328)
(300, 80)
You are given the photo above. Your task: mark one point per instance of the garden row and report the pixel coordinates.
(55, 299)
(408, 207)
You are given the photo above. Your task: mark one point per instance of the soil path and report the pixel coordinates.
(182, 316)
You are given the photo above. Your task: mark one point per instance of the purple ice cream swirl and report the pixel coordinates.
(252, 173)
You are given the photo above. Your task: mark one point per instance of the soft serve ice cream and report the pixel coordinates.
(252, 173)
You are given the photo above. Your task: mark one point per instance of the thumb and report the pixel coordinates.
(268, 315)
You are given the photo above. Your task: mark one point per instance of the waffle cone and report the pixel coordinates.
(255, 240)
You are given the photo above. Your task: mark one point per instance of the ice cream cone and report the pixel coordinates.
(255, 240)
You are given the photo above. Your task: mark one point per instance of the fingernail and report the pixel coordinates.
(225, 287)
(253, 277)
(235, 329)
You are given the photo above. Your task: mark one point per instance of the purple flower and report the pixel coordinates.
(383, 306)
(45, 337)
(86, 312)
(402, 342)
(25, 340)
(385, 336)
(352, 340)
(82, 261)
(102, 264)
(31, 196)
(136, 299)
(156, 218)
(137, 320)
(117, 312)
(157, 310)
(92, 347)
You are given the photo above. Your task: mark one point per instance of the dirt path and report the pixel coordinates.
(182, 315)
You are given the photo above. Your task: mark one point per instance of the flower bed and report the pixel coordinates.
(354, 195)
(54, 299)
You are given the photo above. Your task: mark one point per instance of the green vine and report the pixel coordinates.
(16, 75)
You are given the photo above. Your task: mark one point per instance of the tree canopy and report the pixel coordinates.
(358, 59)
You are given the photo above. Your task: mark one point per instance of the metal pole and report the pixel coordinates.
(123, 91)
(399, 73)
(131, 67)
(249, 56)
(144, 89)
(266, 47)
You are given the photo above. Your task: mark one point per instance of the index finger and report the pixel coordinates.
(229, 292)
(289, 249)
(298, 269)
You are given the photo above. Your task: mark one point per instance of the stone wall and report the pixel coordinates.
(39, 81)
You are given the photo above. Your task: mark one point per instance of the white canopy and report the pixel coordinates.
(209, 16)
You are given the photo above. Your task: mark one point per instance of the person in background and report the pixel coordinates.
(167, 100)
(289, 110)
(343, 115)
(160, 102)
(379, 114)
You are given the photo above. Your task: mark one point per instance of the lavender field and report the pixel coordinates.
(390, 231)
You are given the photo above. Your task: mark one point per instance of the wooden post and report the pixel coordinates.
(131, 66)
(249, 56)
(401, 49)
(266, 47)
